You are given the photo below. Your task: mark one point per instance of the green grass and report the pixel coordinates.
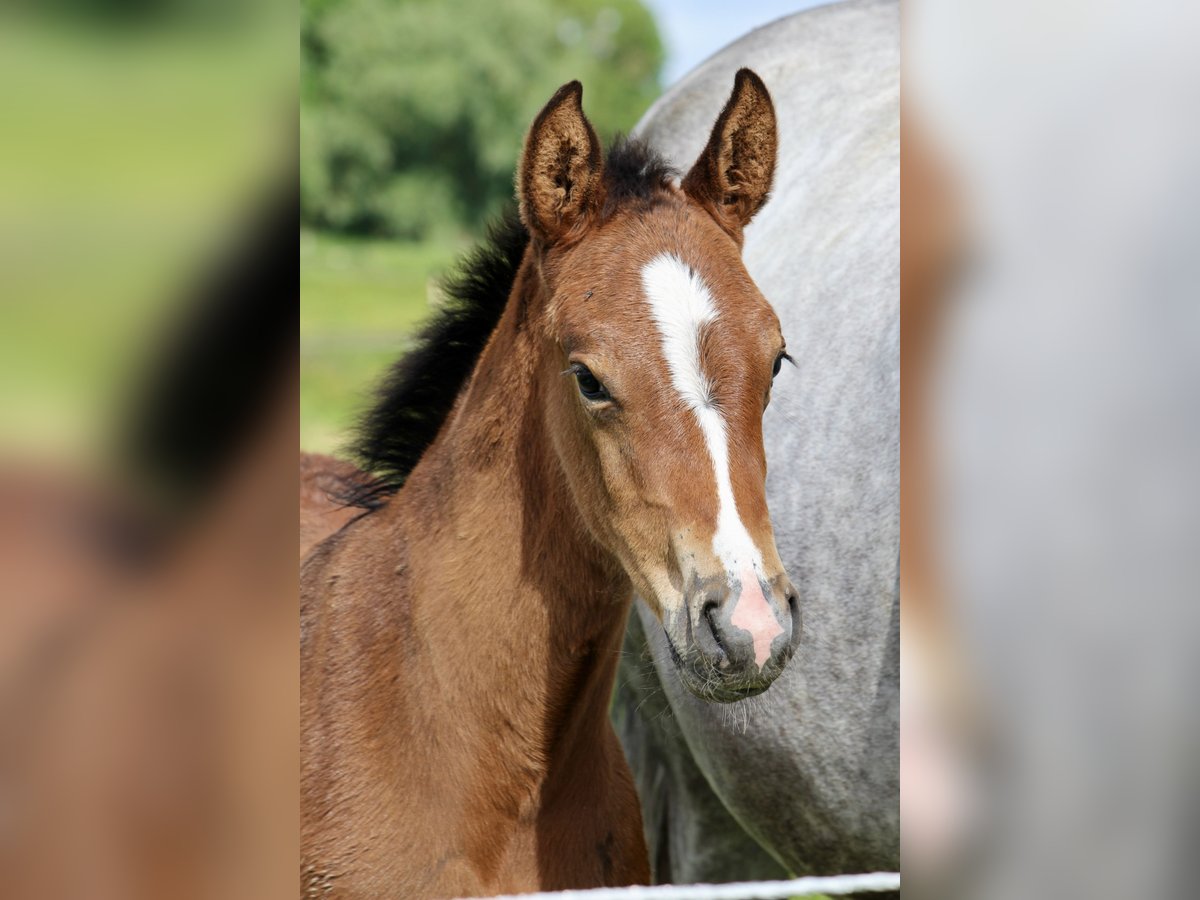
(127, 159)
(359, 302)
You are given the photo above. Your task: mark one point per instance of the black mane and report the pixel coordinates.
(416, 395)
(634, 172)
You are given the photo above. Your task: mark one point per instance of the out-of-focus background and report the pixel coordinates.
(134, 136)
(411, 119)
(1051, 431)
(147, 363)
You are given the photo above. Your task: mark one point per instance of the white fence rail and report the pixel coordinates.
(745, 890)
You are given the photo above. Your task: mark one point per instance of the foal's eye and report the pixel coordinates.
(589, 384)
(779, 362)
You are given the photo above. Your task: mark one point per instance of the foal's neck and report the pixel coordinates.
(504, 574)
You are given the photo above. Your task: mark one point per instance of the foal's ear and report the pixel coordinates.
(733, 175)
(560, 180)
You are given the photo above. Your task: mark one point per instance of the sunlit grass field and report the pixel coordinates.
(359, 303)
(128, 159)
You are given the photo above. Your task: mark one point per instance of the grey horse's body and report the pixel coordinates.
(805, 778)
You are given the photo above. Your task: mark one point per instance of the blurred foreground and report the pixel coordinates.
(1050, 735)
(148, 652)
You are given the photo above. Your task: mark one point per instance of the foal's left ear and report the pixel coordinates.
(733, 175)
(560, 184)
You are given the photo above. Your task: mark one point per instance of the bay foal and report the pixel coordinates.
(582, 421)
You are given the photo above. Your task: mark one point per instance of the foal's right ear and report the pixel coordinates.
(560, 184)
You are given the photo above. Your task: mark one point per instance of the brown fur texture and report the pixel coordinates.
(323, 481)
(459, 643)
(732, 178)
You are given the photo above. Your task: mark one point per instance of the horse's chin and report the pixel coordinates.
(719, 694)
(711, 685)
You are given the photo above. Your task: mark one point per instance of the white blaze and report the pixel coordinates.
(682, 305)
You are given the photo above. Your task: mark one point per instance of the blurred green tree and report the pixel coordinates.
(413, 111)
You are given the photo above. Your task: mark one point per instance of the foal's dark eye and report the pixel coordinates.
(779, 363)
(589, 384)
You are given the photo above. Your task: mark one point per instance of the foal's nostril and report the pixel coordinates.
(793, 602)
(709, 612)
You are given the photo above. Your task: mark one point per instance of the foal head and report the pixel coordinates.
(657, 358)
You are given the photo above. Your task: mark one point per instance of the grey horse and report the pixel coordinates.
(805, 778)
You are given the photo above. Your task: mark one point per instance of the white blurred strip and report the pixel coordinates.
(748, 890)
